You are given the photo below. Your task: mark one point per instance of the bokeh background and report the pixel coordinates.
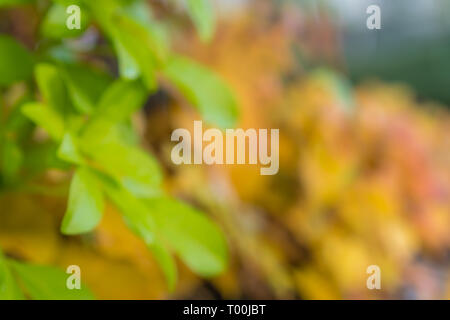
(364, 157)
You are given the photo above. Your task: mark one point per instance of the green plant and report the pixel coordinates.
(86, 114)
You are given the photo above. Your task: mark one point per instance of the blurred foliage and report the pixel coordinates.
(86, 114)
(364, 174)
(364, 171)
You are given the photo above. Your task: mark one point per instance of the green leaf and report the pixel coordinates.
(85, 207)
(116, 106)
(52, 88)
(134, 169)
(16, 63)
(137, 47)
(138, 218)
(139, 11)
(163, 222)
(99, 134)
(54, 23)
(202, 13)
(46, 118)
(48, 283)
(128, 66)
(136, 55)
(140, 42)
(198, 242)
(166, 262)
(12, 158)
(9, 290)
(85, 86)
(135, 20)
(133, 209)
(68, 150)
(204, 89)
(121, 100)
(127, 134)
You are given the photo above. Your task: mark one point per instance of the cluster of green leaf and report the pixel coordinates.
(86, 114)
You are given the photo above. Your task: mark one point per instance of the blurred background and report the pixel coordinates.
(364, 157)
